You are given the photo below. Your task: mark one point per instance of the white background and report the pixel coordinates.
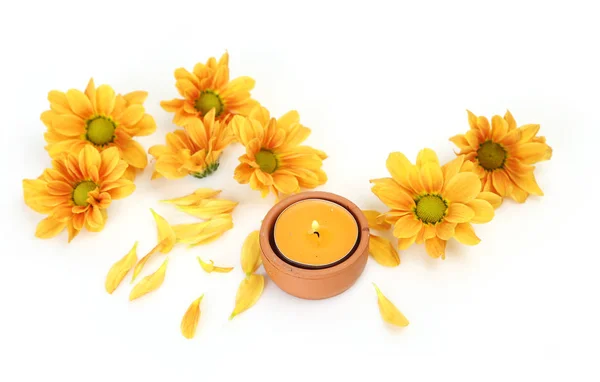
(369, 78)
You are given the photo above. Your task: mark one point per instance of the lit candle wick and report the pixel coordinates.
(315, 228)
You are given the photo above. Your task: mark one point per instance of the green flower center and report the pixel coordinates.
(207, 101)
(431, 209)
(267, 161)
(491, 155)
(80, 194)
(100, 131)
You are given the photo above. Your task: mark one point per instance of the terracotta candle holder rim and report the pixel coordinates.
(270, 254)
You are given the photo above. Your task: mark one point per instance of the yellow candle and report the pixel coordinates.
(315, 232)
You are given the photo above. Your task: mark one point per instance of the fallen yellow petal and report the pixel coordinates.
(194, 198)
(149, 283)
(211, 267)
(383, 251)
(190, 319)
(119, 270)
(388, 311)
(166, 235)
(376, 220)
(140, 264)
(203, 233)
(248, 293)
(251, 259)
(209, 208)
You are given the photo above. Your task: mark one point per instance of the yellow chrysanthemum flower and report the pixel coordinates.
(77, 190)
(100, 118)
(503, 154)
(274, 160)
(195, 150)
(208, 88)
(431, 203)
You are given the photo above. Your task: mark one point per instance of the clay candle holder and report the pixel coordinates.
(314, 245)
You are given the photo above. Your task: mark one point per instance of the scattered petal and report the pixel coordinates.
(119, 270)
(383, 251)
(388, 311)
(140, 264)
(208, 208)
(205, 232)
(190, 319)
(149, 283)
(194, 198)
(376, 220)
(251, 259)
(166, 235)
(248, 293)
(209, 268)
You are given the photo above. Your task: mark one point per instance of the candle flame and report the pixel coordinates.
(315, 226)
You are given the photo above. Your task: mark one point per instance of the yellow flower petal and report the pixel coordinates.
(392, 194)
(286, 184)
(483, 125)
(445, 230)
(532, 152)
(436, 247)
(518, 194)
(205, 232)
(105, 100)
(472, 120)
(288, 119)
(136, 97)
(119, 270)
(140, 264)
(460, 141)
(405, 243)
(49, 228)
(190, 319)
(484, 212)
(501, 182)
(407, 226)
(209, 268)
(388, 310)
(383, 252)
(146, 126)
(508, 117)
(462, 187)
(431, 176)
(376, 221)
(251, 258)
(134, 154)
(472, 137)
(58, 102)
(527, 182)
(399, 167)
(427, 156)
(209, 208)
(166, 235)
(79, 103)
(499, 128)
(459, 213)
(149, 283)
(528, 132)
(494, 199)
(90, 92)
(194, 198)
(68, 125)
(132, 115)
(248, 294)
(465, 234)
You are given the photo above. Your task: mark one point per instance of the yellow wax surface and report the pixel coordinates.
(296, 240)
